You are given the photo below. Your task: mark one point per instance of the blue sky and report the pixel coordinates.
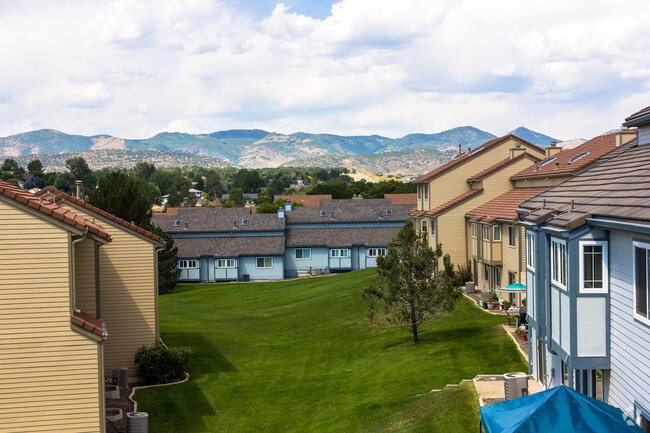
(134, 68)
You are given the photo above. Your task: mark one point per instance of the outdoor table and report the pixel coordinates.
(513, 313)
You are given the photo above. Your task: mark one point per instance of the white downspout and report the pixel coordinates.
(73, 277)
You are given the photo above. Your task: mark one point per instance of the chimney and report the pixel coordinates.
(517, 150)
(625, 135)
(79, 188)
(552, 149)
(460, 150)
(281, 213)
(287, 206)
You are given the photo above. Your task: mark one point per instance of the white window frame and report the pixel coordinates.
(264, 258)
(559, 275)
(604, 262)
(302, 253)
(339, 253)
(426, 192)
(495, 229)
(188, 264)
(425, 226)
(512, 236)
(486, 232)
(530, 250)
(645, 246)
(226, 263)
(433, 227)
(376, 252)
(474, 230)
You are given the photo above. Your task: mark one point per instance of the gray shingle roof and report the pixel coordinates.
(349, 211)
(618, 187)
(215, 220)
(341, 237)
(230, 247)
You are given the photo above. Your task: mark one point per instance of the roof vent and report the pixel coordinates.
(177, 223)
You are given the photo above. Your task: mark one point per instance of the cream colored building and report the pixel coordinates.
(51, 350)
(447, 193)
(128, 282)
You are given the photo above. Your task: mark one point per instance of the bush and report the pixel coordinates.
(157, 364)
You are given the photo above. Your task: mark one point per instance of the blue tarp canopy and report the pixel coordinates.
(557, 410)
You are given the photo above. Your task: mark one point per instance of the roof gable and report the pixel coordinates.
(504, 206)
(52, 210)
(454, 202)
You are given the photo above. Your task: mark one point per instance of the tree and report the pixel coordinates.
(179, 191)
(167, 259)
(35, 168)
(410, 292)
(144, 170)
(236, 196)
(249, 180)
(9, 165)
(128, 198)
(78, 167)
(64, 181)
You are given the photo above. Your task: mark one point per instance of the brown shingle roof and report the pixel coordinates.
(501, 164)
(562, 165)
(51, 209)
(504, 206)
(402, 198)
(458, 161)
(454, 202)
(58, 195)
(341, 237)
(307, 200)
(618, 187)
(638, 118)
(337, 211)
(229, 247)
(200, 219)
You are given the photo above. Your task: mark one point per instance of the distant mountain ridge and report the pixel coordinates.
(254, 148)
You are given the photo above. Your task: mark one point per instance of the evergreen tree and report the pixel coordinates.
(167, 259)
(410, 292)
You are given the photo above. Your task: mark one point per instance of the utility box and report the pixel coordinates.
(515, 385)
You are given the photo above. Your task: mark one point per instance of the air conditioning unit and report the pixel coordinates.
(137, 422)
(121, 376)
(245, 277)
(515, 385)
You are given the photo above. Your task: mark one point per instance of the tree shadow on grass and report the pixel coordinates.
(183, 407)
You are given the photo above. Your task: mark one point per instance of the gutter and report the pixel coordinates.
(73, 277)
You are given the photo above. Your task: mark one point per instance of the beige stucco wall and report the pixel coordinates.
(49, 379)
(128, 293)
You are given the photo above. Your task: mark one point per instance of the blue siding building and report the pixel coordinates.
(233, 244)
(588, 279)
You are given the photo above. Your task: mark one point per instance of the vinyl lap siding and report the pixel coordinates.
(48, 371)
(630, 339)
(85, 276)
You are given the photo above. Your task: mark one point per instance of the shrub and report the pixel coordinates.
(158, 364)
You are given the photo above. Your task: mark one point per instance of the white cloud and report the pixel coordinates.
(391, 67)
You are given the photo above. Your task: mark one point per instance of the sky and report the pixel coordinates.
(132, 69)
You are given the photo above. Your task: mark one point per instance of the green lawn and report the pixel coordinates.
(297, 356)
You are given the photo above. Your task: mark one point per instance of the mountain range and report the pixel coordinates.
(254, 148)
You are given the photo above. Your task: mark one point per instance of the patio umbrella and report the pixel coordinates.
(512, 288)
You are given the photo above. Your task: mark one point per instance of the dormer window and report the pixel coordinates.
(389, 212)
(177, 223)
(323, 213)
(244, 222)
(578, 156)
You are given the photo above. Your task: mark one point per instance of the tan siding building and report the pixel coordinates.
(50, 363)
(128, 276)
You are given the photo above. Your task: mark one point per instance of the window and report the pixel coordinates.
(497, 275)
(389, 212)
(177, 223)
(643, 421)
(425, 229)
(419, 192)
(641, 259)
(486, 273)
(376, 252)
(512, 277)
(187, 264)
(558, 262)
(512, 236)
(244, 222)
(426, 192)
(303, 253)
(578, 156)
(486, 233)
(226, 263)
(474, 230)
(264, 262)
(340, 253)
(433, 227)
(323, 213)
(546, 161)
(530, 250)
(593, 266)
(497, 233)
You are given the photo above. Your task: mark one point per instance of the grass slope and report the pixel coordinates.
(300, 355)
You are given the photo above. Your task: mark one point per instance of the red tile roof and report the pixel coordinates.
(402, 198)
(87, 322)
(51, 209)
(58, 195)
(454, 202)
(458, 161)
(504, 206)
(499, 165)
(306, 200)
(561, 165)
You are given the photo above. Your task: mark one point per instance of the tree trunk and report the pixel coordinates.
(414, 326)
